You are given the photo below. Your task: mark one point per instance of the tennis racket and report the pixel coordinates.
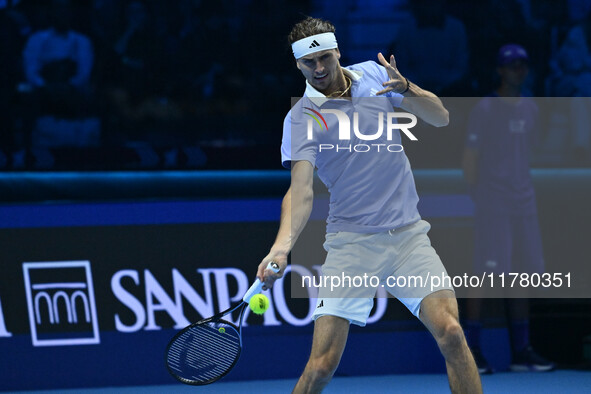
(207, 350)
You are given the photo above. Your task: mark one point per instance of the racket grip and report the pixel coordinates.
(257, 286)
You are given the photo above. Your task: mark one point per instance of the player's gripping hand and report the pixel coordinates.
(267, 276)
(397, 82)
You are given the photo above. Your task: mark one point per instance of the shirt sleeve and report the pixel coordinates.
(286, 142)
(297, 144)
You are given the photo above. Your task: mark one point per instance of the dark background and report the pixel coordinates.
(191, 84)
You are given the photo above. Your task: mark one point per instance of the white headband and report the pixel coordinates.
(312, 44)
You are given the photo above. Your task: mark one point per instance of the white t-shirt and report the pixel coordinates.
(368, 177)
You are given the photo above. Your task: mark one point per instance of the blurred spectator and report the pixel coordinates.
(201, 60)
(14, 28)
(572, 64)
(578, 10)
(146, 107)
(58, 55)
(57, 65)
(432, 47)
(493, 23)
(164, 67)
(568, 140)
(265, 22)
(106, 21)
(137, 83)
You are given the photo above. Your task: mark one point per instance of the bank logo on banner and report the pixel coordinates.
(60, 299)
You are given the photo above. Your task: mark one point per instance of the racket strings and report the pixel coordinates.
(204, 353)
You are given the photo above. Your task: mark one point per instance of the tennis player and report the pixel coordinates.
(373, 226)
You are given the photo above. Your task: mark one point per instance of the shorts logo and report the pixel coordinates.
(321, 304)
(60, 299)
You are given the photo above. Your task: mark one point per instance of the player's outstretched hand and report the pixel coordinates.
(267, 276)
(397, 82)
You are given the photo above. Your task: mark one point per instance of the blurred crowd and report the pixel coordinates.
(117, 84)
(147, 84)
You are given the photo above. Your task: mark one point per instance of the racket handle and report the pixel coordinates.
(257, 286)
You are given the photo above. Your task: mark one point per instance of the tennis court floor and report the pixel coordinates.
(562, 381)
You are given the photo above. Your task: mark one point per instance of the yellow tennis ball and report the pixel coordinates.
(259, 303)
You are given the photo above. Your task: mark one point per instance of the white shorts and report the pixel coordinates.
(402, 261)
